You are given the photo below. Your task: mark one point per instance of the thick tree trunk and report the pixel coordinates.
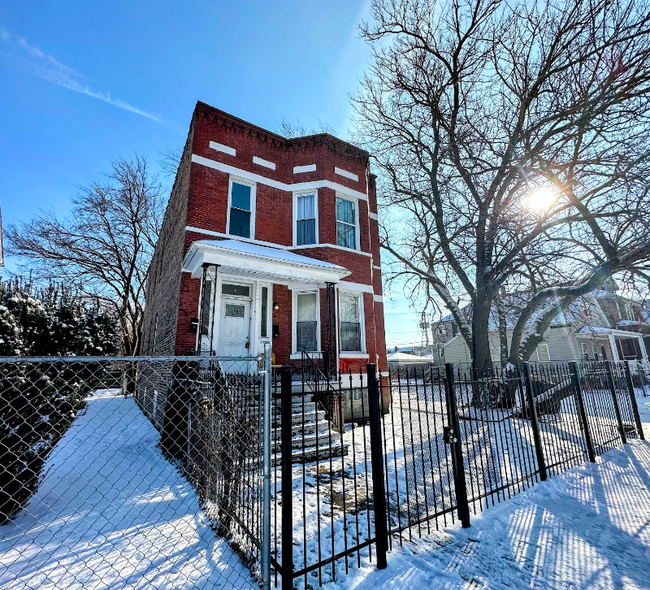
(481, 356)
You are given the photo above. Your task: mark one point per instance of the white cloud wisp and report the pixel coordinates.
(48, 68)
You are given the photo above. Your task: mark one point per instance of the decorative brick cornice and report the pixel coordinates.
(223, 120)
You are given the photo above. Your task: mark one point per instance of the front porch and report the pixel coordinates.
(252, 294)
(612, 345)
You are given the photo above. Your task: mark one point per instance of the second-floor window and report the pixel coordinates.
(241, 208)
(346, 223)
(305, 219)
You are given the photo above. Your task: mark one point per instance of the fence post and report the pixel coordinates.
(188, 451)
(456, 449)
(266, 482)
(377, 466)
(534, 422)
(635, 406)
(617, 407)
(575, 375)
(287, 479)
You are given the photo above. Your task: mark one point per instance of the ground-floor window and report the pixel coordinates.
(306, 316)
(350, 309)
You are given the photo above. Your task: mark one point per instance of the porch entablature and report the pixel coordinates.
(261, 262)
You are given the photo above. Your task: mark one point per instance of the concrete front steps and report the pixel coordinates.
(312, 435)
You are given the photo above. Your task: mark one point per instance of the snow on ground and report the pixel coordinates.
(111, 512)
(588, 528)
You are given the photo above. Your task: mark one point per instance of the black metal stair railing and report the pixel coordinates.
(328, 397)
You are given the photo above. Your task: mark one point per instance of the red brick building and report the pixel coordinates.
(267, 239)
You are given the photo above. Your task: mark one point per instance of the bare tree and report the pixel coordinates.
(297, 129)
(512, 141)
(169, 158)
(105, 245)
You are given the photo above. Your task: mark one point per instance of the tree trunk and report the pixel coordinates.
(481, 356)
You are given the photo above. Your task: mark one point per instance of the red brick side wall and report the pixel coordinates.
(164, 280)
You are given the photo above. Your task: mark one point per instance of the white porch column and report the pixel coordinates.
(612, 345)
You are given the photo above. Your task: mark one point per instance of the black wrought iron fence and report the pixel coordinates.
(449, 441)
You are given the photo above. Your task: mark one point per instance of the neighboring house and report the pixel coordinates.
(600, 326)
(267, 238)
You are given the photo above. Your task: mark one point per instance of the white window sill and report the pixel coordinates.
(298, 355)
(354, 355)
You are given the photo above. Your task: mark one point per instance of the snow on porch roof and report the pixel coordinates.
(274, 264)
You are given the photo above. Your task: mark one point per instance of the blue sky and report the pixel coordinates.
(84, 82)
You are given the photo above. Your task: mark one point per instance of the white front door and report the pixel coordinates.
(234, 333)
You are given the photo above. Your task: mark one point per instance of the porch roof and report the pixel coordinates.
(595, 331)
(273, 264)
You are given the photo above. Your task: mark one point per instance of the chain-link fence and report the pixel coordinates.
(116, 473)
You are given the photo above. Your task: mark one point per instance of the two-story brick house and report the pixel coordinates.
(267, 238)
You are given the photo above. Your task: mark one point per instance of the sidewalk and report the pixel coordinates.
(111, 512)
(589, 528)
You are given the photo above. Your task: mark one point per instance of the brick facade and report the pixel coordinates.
(198, 210)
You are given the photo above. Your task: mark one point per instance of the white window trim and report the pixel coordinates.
(253, 187)
(295, 353)
(362, 323)
(357, 232)
(295, 217)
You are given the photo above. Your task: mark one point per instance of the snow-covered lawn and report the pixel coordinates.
(111, 512)
(588, 528)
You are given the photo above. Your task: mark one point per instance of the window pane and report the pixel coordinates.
(240, 290)
(350, 336)
(306, 308)
(265, 312)
(345, 235)
(235, 311)
(241, 196)
(306, 232)
(306, 335)
(344, 210)
(305, 207)
(240, 223)
(349, 308)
